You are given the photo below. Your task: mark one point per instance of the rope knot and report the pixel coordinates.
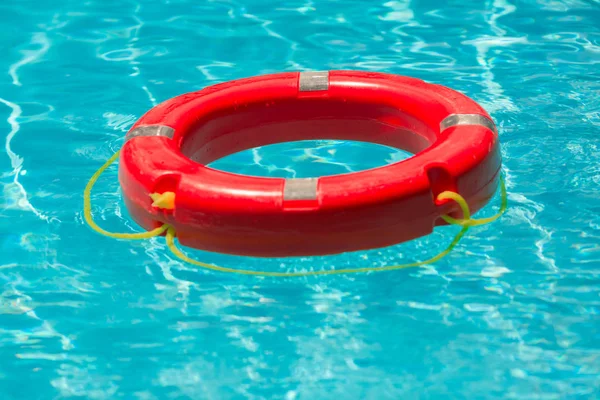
(165, 201)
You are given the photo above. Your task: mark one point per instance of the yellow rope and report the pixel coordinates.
(87, 209)
(466, 222)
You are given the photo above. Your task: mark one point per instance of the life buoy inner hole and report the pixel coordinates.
(309, 159)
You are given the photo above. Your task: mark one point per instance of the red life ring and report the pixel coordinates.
(454, 140)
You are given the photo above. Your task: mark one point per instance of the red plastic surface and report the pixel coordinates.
(229, 213)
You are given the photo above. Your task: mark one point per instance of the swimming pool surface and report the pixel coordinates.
(513, 312)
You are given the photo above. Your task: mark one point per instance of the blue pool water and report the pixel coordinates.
(513, 312)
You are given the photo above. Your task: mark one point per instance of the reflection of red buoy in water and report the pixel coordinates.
(165, 179)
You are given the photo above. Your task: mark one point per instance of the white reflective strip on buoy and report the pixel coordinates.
(300, 189)
(151, 130)
(467, 119)
(311, 81)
